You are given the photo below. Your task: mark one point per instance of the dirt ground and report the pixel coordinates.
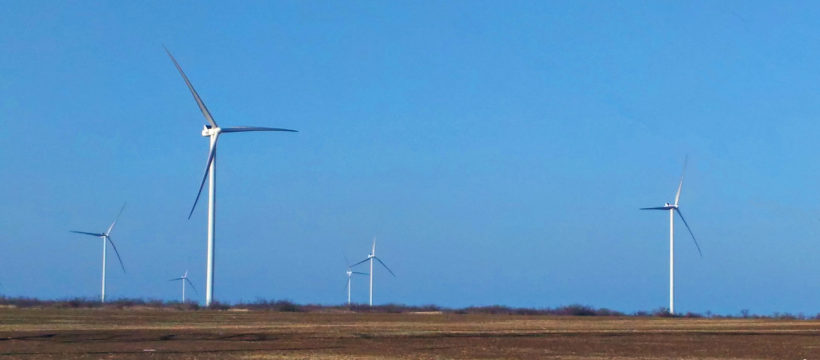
(172, 334)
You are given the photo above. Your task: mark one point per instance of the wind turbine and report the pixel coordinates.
(106, 238)
(184, 279)
(212, 130)
(370, 258)
(350, 274)
(674, 208)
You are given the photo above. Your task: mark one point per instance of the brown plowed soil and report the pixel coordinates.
(171, 334)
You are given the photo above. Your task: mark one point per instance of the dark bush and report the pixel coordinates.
(575, 310)
(663, 312)
(216, 305)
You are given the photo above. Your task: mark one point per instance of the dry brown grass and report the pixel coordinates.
(170, 334)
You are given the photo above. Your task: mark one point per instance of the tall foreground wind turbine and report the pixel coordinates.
(106, 238)
(184, 279)
(212, 130)
(370, 258)
(674, 208)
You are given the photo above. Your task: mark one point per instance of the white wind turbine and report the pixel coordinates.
(673, 208)
(213, 131)
(370, 258)
(106, 238)
(184, 279)
(350, 274)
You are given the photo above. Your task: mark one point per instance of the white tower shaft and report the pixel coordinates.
(209, 278)
(102, 295)
(183, 291)
(671, 261)
(348, 289)
(371, 281)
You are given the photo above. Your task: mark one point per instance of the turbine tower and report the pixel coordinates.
(212, 131)
(106, 238)
(184, 279)
(674, 208)
(370, 258)
(350, 274)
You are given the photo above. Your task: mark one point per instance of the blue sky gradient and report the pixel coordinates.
(498, 150)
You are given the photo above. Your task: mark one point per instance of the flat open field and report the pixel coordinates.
(171, 334)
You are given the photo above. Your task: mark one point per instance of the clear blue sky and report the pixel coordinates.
(498, 150)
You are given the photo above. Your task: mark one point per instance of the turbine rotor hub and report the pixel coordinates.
(210, 131)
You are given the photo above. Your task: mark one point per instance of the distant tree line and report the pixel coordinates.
(288, 306)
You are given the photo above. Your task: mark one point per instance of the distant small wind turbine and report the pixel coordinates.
(673, 208)
(350, 274)
(106, 237)
(212, 130)
(370, 258)
(184, 279)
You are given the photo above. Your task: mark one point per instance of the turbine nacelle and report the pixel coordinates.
(208, 131)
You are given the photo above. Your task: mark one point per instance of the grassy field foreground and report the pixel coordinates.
(209, 334)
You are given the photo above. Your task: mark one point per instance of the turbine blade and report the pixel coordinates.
(347, 282)
(192, 285)
(253, 128)
(385, 266)
(373, 252)
(680, 185)
(360, 273)
(116, 252)
(211, 154)
(175, 279)
(87, 233)
(359, 262)
(115, 220)
(655, 208)
(199, 102)
(690, 231)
